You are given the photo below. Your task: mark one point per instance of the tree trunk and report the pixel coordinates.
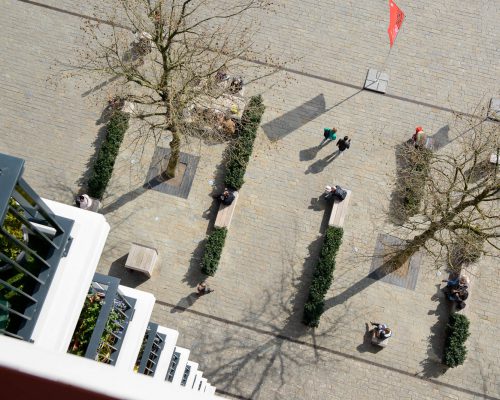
(413, 246)
(420, 240)
(175, 145)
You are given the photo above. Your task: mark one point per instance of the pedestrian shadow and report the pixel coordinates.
(185, 303)
(441, 137)
(320, 165)
(309, 154)
(282, 126)
(367, 346)
(432, 366)
(318, 203)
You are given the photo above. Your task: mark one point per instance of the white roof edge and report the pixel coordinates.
(136, 329)
(61, 309)
(88, 374)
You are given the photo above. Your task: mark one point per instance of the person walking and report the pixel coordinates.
(330, 134)
(343, 144)
(203, 288)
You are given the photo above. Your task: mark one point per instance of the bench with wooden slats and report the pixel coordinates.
(225, 213)
(339, 211)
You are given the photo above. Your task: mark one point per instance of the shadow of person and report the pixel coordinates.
(320, 165)
(185, 303)
(309, 154)
(441, 137)
(318, 203)
(367, 345)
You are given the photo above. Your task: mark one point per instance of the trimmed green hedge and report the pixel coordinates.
(213, 251)
(239, 153)
(323, 277)
(457, 332)
(103, 167)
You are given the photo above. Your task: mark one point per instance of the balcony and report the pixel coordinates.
(33, 240)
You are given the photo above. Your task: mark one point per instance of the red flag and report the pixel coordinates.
(396, 20)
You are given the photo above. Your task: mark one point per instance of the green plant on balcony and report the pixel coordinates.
(13, 226)
(86, 324)
(109, 338)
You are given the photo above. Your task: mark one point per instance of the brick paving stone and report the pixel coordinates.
(247, 335)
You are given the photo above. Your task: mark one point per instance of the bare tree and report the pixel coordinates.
(172, 59)
(450, 197)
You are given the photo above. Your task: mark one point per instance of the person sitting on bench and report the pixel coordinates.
(84, 201)
(335, 192)
(457, 283)
(457, 294)
(227, 197)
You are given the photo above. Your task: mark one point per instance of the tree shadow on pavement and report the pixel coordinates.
(268, 361)
(375, 275)
(432, 365)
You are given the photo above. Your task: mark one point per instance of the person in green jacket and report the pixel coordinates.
(330, 134)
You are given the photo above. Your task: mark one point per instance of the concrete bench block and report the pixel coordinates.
(142, 258)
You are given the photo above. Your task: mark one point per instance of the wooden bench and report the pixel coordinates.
(141, 258)
(225, 213)
(339, 211)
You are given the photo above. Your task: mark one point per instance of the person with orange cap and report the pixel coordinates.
(419, 137)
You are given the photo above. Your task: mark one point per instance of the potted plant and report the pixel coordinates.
(14, 227)
(86, 324)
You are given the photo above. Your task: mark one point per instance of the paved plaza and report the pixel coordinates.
(247, 335)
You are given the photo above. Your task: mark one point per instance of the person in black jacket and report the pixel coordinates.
(227, 197)
(335, 192)
(343, 144)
